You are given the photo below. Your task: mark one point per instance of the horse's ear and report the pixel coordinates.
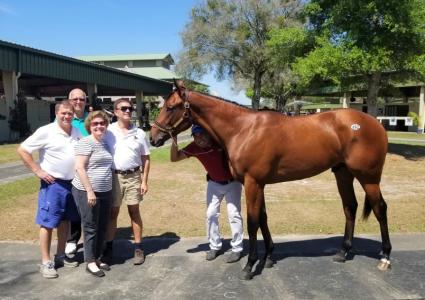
(179, 85)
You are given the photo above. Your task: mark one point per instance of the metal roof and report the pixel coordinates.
(45, 65)
(154, 72)
(127, 57)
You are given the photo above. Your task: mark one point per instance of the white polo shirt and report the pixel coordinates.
(56, 149)
(127, 149)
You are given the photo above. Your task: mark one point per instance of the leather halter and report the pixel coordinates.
(186, 115)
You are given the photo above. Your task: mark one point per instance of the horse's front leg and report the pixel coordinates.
(254, 194)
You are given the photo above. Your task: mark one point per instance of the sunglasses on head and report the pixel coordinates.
(94, 124)
(125, 108)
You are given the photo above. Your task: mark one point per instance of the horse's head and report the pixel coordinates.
(174, 116)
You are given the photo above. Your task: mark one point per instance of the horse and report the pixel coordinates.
(265, 147)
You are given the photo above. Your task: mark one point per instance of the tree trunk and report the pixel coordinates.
(257, 90)
(374, 82)
(279, 103)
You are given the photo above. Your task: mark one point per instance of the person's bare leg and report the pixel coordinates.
(62, 232)
(45, 242)
(112, 224)
(136, 222)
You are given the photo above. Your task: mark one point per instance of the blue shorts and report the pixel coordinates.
(55, 203)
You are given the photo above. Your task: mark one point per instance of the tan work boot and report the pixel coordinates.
(139, 257)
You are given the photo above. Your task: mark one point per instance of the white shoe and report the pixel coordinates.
(71, 248)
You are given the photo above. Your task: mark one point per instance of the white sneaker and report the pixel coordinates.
(71, 248)
(48, 270)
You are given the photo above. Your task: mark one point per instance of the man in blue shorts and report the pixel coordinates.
(56, 207)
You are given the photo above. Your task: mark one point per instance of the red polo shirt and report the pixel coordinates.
(212, 158)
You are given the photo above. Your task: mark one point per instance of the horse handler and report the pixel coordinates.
(220, 184)
(130, 180)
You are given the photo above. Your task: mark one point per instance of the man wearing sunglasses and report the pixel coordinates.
(77, 98)
(130, 152)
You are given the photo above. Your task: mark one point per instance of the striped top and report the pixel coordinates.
(99, 164)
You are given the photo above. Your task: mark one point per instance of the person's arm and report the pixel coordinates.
(81, 162)
(35, 168)
(146, 160)
(175, 153)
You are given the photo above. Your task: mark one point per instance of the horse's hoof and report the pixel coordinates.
(339, 257)
(246, 275)
(269, 263)
(384, 264)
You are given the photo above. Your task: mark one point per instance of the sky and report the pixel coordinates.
(103, 27)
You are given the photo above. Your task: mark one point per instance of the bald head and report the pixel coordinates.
(77, 98)
(76, 93)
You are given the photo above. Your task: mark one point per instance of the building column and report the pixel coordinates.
(421, 111)
(91, 90)
(11, 88)
(346, 100)
(10, 85)
(139, 101)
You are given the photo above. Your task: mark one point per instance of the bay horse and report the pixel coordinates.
(265, 147)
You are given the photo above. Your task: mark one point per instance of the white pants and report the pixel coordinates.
(215, 194)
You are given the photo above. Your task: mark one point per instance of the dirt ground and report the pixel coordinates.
(175, 204)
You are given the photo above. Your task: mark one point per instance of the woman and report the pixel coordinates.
(91, 189)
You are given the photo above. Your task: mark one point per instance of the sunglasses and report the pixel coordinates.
(95, 124)
(78, 99)
(125, 108)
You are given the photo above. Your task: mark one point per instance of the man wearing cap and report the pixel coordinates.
(220, 185)
(130, 152)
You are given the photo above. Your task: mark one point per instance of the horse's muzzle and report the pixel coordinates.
(156, 143)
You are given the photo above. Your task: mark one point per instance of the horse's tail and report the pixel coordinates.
(366, 209)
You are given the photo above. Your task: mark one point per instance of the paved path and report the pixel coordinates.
(176, 269)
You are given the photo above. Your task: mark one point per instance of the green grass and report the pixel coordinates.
(405, 135)
(8, 153)
(14, 190)
(17, 189)
(162, 155)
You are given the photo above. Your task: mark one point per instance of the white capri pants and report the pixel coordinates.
(215, 194)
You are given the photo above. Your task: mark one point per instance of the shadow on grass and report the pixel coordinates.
(410, 152)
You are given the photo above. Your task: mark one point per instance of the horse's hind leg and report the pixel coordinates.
(254, 194)
(268, 242)
(374, 201)
(344, 181)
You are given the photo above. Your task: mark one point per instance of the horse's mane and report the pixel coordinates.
(225, 100)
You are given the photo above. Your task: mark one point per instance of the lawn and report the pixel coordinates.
(175, 202)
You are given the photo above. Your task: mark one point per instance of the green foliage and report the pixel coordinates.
(415, 118)
(193, 86)
(229, 37)
(363, 37)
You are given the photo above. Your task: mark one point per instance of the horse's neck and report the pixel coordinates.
(218, 117)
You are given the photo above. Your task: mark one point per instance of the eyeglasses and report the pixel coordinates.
(95, 124)
(78, 99)
(125, 108)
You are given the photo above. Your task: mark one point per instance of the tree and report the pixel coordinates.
(284, 46)
(229, 36)
(363, 38)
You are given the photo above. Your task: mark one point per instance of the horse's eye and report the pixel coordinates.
(169, 109)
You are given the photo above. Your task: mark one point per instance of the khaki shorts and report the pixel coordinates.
(126, 188)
